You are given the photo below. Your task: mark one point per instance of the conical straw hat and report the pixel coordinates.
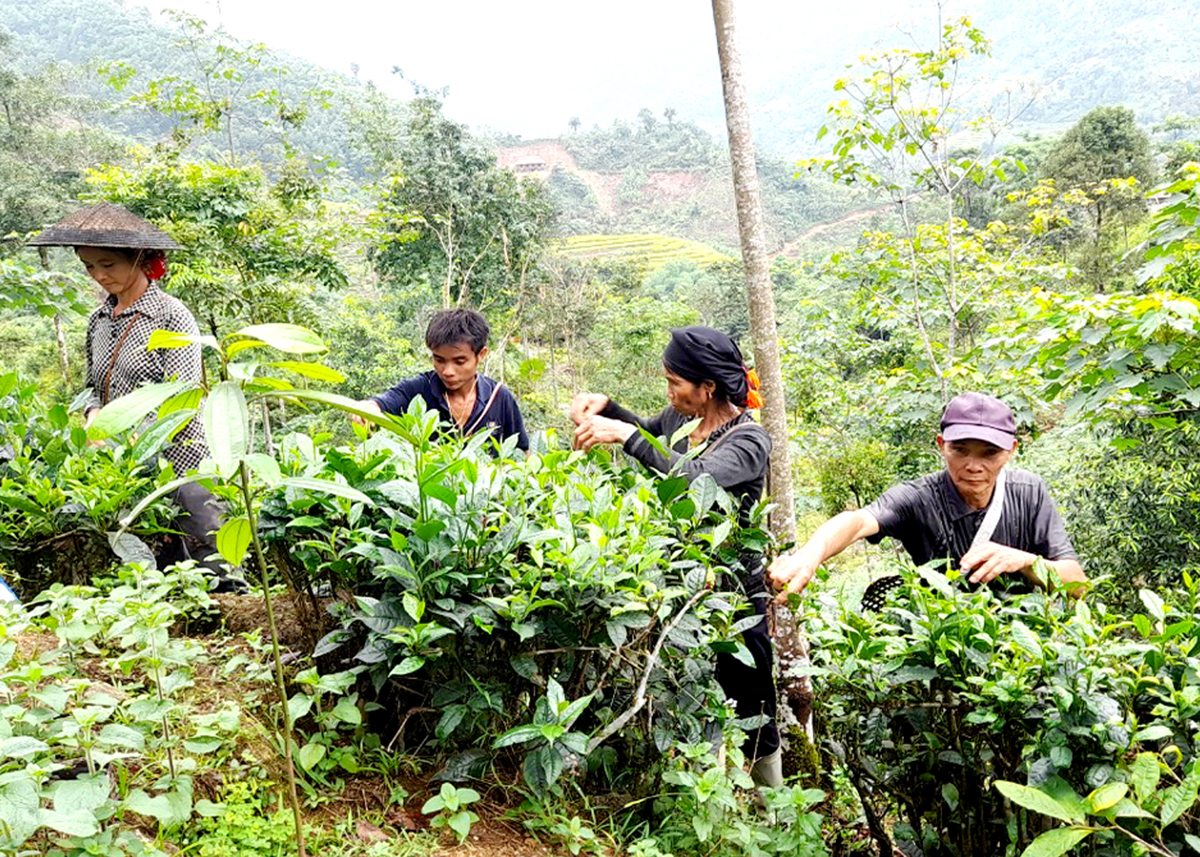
(105, 225)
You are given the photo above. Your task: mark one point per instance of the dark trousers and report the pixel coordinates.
(752, 689)
(199, 518)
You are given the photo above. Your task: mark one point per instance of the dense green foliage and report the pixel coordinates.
(945, 691)
(465, 627)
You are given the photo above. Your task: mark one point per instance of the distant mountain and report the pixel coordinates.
(1079, 53)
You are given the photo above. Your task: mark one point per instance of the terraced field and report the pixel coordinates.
(650, 252)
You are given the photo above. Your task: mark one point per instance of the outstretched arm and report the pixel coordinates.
(792, 572)
(989, 560)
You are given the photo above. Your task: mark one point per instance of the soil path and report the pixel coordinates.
(793, 248)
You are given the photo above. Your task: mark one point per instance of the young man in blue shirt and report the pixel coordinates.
(457, 340)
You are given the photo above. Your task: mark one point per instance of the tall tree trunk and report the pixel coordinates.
(757, 267)
(60, 338)
(795, 714)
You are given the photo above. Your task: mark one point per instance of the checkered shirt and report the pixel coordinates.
(135, 366)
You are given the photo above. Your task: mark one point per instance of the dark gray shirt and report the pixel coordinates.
(930, 518)
(738, 464)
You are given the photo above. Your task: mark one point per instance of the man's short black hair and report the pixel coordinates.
(456, 327)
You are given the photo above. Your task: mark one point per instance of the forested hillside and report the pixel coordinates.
(281, 578)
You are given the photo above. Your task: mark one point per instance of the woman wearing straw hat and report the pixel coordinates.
(125, 256)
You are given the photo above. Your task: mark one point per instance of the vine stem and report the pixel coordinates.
(280, 683)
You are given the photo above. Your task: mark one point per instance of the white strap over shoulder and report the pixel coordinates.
(992, 517)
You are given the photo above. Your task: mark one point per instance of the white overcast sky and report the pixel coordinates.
(528, 66)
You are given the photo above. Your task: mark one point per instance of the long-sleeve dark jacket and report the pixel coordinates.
(738, 464)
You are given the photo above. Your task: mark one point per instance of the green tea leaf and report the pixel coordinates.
(227, 426)
(1144, 775)
(289, 338)
(125, 412)
(1038, 801)
(233, 540)
(1056, 842)
(316, 371)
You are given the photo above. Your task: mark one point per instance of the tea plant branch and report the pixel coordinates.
(280, 682)
(639, 697)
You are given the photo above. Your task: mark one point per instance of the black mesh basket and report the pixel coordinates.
(875, 595)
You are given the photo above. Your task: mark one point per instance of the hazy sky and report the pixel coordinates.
(529, 66)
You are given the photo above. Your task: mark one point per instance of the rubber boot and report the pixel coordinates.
(768, 771)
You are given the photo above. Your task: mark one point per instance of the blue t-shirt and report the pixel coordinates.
(502, 416)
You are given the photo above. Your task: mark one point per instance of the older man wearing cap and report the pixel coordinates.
(983, 519)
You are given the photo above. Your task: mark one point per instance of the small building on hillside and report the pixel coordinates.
(530, 164)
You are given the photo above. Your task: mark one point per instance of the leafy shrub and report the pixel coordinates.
(525, 603)
(66, 737)
(60, 498)
(704, 810)
(946, 690)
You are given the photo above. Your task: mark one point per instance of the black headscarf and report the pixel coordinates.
(701, 354)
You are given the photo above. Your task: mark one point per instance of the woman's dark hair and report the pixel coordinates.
(700, 354)
(456, 327)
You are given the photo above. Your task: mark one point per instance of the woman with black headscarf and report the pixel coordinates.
(708, 379)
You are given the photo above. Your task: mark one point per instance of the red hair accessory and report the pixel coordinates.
(753, 400)
(155, 267)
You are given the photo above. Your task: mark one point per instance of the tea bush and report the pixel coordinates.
(60, 498)
(946, 691)
(556, 609)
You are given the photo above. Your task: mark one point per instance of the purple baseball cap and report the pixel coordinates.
(974, 416)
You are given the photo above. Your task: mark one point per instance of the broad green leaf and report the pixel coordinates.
(153, 439)
(264, 467)
(316, 371)
(124, 413)
(413, 606)
(326, 486)
(1179, 799)
(227, 426)
(175, 339)
(236, 348)
(461, 823)
(233, 540)
(188, 400)
(75, 823)
(1106, 796)
(347, 711)
(289, 338)
(119, 735)
(1026, 639)
(1056, 842)
(519, 735)
(160, 492)
(299, 705)
(22, 747)
(1144, 775)
(309, 755)
(1038, 801)
(1153, 732)
(1153, 602)
(683, 431)
(202, 744)
(20, 815)
(410, 664)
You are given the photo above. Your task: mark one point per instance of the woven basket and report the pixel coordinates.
(105, 225)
